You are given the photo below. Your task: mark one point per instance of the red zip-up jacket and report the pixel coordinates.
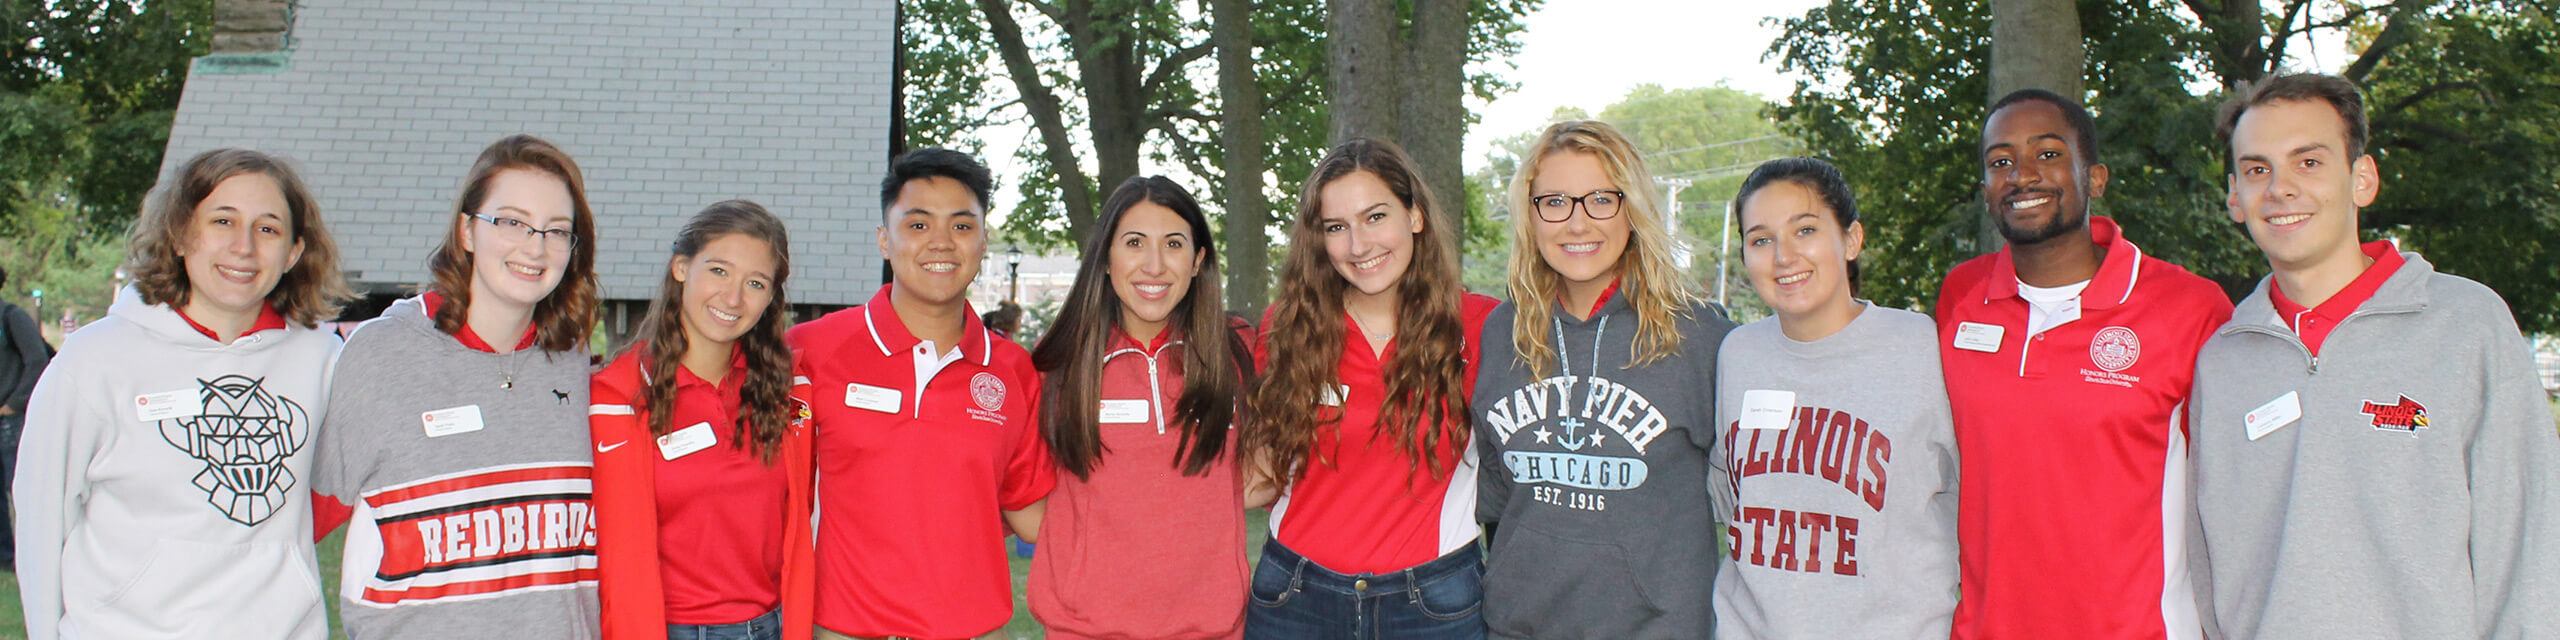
(630, 584)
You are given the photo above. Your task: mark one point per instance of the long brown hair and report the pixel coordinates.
(1070, 355)
(1426, 389)
(307, 294)
(563, 319)
(764, 407)
(1653, 283)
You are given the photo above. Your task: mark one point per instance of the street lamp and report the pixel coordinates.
(1013, 274)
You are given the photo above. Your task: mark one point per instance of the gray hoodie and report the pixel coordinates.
(2415, 491)
(1597, 479)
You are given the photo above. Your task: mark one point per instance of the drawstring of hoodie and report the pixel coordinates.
(1565, 364)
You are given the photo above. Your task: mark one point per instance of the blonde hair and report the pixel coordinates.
(1650, 277)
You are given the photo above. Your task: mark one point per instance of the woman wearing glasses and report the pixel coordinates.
(1594, 411)
(457, 422)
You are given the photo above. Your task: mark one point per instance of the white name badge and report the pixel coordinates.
(863, 396)
(445, 422)
(1976, 336)
(1767, 409)
(680, 442)
(1334, 397)
(1124, 411)
(2269, 417)
(155, 407)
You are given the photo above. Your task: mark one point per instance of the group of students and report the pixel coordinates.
(2356, 450)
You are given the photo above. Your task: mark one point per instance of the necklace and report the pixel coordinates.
(1374, 336)
(508, 363)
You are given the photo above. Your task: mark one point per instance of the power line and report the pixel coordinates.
(1718, 145)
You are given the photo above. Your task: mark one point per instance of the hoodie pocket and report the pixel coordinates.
(1543, 586)
(196, 588)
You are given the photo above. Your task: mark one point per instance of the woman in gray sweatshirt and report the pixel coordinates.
(1837, 470)
(1594, 426)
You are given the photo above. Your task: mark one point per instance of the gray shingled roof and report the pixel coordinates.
(668, 105)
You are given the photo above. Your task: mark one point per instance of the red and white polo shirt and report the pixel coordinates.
(919, 448)
(2073, 510)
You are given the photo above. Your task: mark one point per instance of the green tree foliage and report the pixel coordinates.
(2461, 92)
(113, 68)
(957, 82)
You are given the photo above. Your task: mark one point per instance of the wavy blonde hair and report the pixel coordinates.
(1650, 276)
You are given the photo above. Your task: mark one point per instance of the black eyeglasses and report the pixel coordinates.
(556, 238)
(1600, 205)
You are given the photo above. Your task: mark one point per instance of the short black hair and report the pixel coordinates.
(2083, 128)
(4, 277)
(937, 162)
(2340, 93)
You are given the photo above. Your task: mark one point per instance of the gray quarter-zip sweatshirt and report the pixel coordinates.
(2405, 483)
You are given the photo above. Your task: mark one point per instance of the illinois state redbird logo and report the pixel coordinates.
(2405, 415)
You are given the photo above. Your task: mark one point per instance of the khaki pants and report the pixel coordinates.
(825, 634)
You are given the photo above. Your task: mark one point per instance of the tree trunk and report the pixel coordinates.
(1115, 102)
(1434, 116)
(1047, 114)
(2035, 44)
(1366, 58)
(1240, 118)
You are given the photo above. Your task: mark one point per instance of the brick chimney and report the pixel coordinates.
(250, 26)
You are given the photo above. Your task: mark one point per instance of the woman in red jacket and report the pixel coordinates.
(1144, 366)
(702, 450)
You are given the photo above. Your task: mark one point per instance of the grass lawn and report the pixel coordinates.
(13, 624)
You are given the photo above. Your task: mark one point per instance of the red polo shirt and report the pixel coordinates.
(469, 338)
(1363, 505)
(918, 453)
(2071, 520)
(2313, 324)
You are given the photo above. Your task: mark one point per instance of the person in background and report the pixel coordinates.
(1005, 319)
(1360, 415)
(161, 485)
(2373, 458)
(1837, 469)
(1142, 382)
(23, 353)
(932, 453)
(457, 424)
(702, 447)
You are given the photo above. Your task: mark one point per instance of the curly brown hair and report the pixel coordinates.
(764, 407)
(307, 294)
(1425, 412)
(563, 319)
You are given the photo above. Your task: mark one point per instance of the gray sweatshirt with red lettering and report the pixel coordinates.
(2405, 483)
(1596, 479)
(1840, 497)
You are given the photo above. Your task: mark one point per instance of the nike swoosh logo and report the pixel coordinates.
(602, 448)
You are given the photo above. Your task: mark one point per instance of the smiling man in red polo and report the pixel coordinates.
(2373, 455)
(927, 450)
(2067, 357)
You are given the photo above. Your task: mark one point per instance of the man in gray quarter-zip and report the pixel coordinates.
(2372, 453)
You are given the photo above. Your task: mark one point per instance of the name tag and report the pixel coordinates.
(445, 422)
(1767, 408)
(1976, 336)
(1334, 397)
(863, 396)
(155, 407)
(1124, 411)
(2269, 417)
(680, 442)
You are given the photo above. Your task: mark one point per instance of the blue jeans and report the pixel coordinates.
(1297, 599)
(763, 627)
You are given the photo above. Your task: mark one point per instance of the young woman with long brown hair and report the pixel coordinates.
(457, 422)
(1144, 536)
(1360, 414)
(159, 485)
(702, 452)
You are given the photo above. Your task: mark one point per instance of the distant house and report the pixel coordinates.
(668, 105)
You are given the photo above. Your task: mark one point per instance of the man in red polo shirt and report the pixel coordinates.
(2067, 358)
(2373, 455)
(927, 446)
